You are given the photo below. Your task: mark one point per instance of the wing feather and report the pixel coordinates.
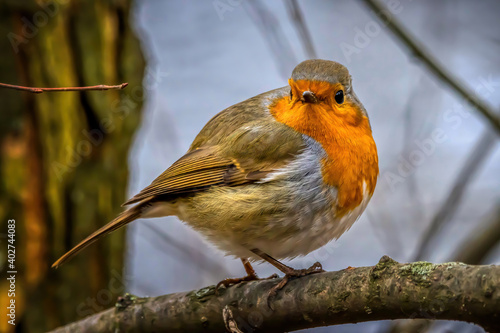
(245, 155)
(191, 173)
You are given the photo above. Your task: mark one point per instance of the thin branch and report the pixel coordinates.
(472, 166)
(389, 290)
(420, 51)
(476, 248)
(301, 27)
(270, 27)
(41, 90)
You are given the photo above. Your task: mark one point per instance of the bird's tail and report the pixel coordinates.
(124, 218)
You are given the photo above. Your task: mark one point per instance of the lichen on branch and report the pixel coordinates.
(388, 290)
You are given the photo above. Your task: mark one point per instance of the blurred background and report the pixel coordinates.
(68, 160)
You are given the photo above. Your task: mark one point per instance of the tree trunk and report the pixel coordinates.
(63, 160)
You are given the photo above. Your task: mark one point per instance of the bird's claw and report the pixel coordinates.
(293, 273)
(232, 281)
(315, 268)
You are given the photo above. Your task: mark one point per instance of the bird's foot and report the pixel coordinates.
(250, 277)
(293, 273)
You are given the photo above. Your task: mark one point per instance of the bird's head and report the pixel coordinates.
(321, 100)
(323, 84)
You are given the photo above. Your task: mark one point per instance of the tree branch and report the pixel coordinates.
(300, 25)
(41, 90)
(389, 290)
(478, 156)
(478, 245)
(420, 51)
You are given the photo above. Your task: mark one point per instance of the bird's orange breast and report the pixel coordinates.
(343, 131)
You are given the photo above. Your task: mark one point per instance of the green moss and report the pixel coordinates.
(384, 263)
(419, 272)
(127, 300)
(384, 266)
(343, 296)
(202, 295)
(318, 288)
(450, 265)
(339, 303)
(207, 291)
(337, 308)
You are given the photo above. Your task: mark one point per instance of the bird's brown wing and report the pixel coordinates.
(247, 155)
(193, 172)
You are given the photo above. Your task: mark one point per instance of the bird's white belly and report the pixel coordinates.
(298, 233)
(288, 214)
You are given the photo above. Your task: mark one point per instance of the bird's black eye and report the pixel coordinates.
(339, 97)
(291, 96)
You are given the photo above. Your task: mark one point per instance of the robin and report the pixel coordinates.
(273, 177)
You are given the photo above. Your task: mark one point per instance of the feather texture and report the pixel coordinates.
(237, 154)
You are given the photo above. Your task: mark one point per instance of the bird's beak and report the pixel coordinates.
(309, 97)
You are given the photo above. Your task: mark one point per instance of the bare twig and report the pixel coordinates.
(445, 214)
(389, 290)
(420, 51)
(269, 25)
(480, 244)
(301, 27)
(41, 90)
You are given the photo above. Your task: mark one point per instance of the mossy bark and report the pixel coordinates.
(63, 161)
(389, 290)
